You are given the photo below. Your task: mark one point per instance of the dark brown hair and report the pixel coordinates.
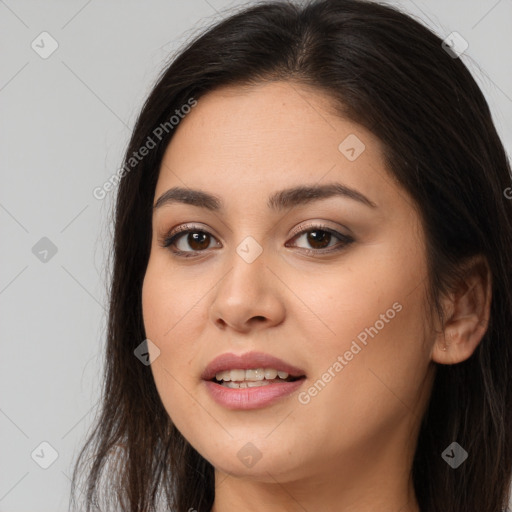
(390, 74)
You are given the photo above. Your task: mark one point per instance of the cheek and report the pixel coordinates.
(168, 301)
(371, 371)
(172, 323)
(158, 299)
(346, 301)
(370, 315)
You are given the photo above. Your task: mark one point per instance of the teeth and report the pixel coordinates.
(252, 384)
(237, 375)
(270, 373)
(252, 375)
(225, 375)
(246, 384)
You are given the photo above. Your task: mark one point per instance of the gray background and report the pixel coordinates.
(65, 122)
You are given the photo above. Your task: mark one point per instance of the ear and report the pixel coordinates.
(467, 314)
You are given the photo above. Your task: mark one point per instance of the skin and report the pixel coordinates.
(350, 448)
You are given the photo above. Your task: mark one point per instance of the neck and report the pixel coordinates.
(385, 492)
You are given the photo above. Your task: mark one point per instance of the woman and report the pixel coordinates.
(311, 296)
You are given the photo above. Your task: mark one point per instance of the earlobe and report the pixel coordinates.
(468, 318)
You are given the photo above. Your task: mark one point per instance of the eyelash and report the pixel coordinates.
(170, 240)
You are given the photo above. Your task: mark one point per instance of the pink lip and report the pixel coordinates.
(247, 361)
(250, 398)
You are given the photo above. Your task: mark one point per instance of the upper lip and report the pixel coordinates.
(248, 361)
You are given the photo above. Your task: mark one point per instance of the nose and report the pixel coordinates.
(248, 297)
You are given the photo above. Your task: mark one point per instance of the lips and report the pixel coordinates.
(247, 361)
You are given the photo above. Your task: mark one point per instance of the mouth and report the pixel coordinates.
(253, 377)
(251, 381)
(252, 369)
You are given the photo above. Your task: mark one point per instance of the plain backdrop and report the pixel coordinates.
(66, 118)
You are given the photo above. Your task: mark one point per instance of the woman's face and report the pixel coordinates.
(331, 281)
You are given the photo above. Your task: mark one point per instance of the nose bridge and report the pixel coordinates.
(248, 268)
(248, 290)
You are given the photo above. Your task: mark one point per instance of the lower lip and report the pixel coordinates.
(251, 398)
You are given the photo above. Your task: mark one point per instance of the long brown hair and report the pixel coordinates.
(392, 75)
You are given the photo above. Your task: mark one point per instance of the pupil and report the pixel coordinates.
(194, 238)
(315, 237)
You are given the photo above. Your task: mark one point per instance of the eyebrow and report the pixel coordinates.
(281, 200)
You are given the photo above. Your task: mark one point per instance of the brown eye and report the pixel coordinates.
(319, 238)
(195, 239)
(198, 240)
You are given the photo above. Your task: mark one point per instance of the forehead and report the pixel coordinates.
(269, 137)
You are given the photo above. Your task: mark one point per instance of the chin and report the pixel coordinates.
(252, 460)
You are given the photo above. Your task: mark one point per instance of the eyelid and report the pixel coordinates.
(172, 235)
(183, 228)
(317, 224)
